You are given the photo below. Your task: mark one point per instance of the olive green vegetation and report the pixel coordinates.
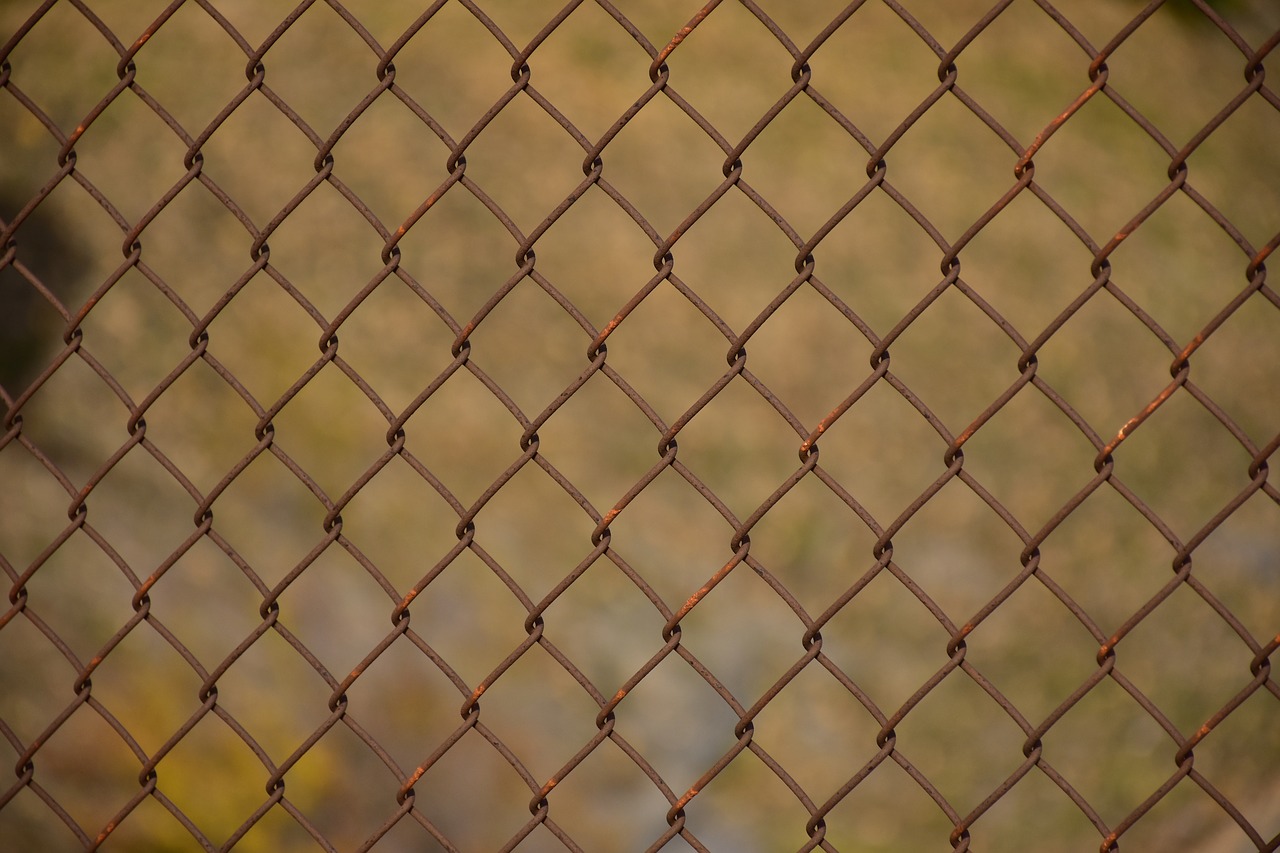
(1179, 267)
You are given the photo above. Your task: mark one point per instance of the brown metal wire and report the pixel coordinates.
(38, 779)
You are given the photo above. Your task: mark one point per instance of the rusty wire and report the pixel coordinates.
(408, 807)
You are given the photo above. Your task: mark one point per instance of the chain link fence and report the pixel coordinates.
(489, 425)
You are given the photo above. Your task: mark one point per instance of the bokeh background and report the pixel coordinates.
(1178, 268)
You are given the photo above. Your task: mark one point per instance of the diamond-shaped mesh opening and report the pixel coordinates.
(813, 544)
(237, 774)
(836, 725)
(1177, 98)
(872, 70)
(457, 252)
(744, 633)
(587, 68)
(1022, 44)
(128, 125)
(67, 96)
(666, 325)
(869, 810)
(516, 528)
(1027, 265)
(607, 788)
(989, 732)
(730, 39)
(914, 638)
(1101, 167)
(1249, 205)
(525, 162)
(1029, 431)
(1181, 300)
(193, 100)
(981, 549)
(215, 631)
(1046, 636)
(245, 699)
(950, 166)
(1042, 811)
(331, 406)
(388, 131)
(325, 280)
(1141, 747)
(966, 337)
(90, 802)
(530, 345)
(287, 164)
(193, 247)
(663, 199)
(1130, 364)
(135, 310)
(597, 275)
(583, 619)
(618, 425)
(1105, 534)
(680, 739)
(319, 51)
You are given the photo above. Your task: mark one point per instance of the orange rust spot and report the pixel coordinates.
(966, 435)
(1124, 431)
(680, 36)
(1066, 114)
(684, 801)
(819, 430)
(684, 31)
(607, 331)
(610, 326)
(1133, 422)
(1052, 127)
(1192, 347)
(693, 600)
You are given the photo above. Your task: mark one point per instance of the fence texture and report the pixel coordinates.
(486, 425)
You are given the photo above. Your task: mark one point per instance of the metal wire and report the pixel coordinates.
(42, 798)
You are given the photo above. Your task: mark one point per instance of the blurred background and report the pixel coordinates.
(120, 250)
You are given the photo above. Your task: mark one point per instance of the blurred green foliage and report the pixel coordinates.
(1177, 69)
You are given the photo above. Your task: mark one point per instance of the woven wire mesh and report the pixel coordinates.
(763, 426)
